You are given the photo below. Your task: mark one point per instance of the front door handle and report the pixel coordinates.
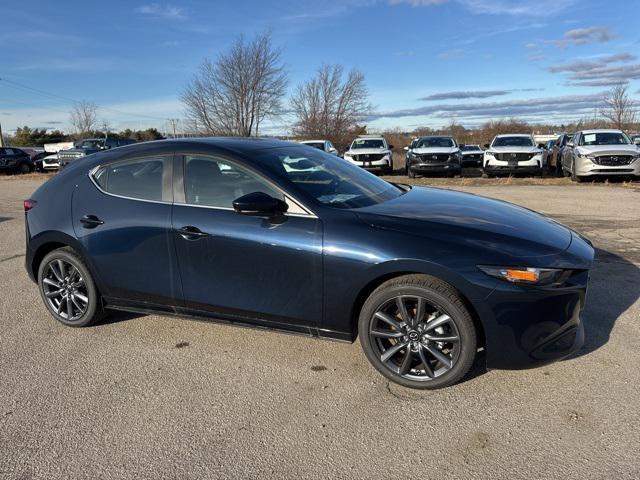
(191, 233)
(90, 221)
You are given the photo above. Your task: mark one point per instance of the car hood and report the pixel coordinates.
(367, 151)
(470, 220)
(428, 150)
(608, 149)
(515, 149)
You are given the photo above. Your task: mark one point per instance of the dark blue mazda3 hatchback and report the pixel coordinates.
(283, 236)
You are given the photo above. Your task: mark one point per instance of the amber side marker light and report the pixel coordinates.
(512, 275)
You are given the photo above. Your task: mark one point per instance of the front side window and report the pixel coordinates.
(327, 178)
(215, 182)
(513, 142)
(604, 138)
(140, 178)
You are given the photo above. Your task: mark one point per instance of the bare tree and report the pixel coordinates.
(84, 117)
(237, 92)
(328, 106)
(619, 107)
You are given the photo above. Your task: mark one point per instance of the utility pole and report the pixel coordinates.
(173, 122)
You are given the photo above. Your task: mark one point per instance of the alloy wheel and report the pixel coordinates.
(65, 290)
(414, 338)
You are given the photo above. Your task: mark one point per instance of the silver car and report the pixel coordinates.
(603, 152)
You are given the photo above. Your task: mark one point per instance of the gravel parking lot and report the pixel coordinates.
(155, 397)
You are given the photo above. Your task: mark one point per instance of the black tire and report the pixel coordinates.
(574, 177)
(446, 301)
(24, 167)
(93, 311)
(410, 173)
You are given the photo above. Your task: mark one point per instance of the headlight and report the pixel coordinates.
(528, 275)
(493, 154)
(346, 156)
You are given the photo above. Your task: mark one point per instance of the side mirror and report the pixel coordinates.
(406, 149)
(259, 203)
(486, 145)
(332, 150)
(570, 144)
(105, 147)
(542, 146)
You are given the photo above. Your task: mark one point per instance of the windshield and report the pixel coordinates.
(430, 142)
(468, 148)
(319, 145)
(367, 143)
(513, 142)
(326, 178)
(91, 144)
(604, 138)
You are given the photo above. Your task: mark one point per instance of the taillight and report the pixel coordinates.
(28, 204)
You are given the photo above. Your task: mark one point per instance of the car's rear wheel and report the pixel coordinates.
(417, 332)
(410, 173)
(68, 290)
(24, 167)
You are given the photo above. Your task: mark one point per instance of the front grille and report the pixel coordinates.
(613, 160)
(69, 155)
(513, 156)
(472, 156)
(368, 157)
(435, 158)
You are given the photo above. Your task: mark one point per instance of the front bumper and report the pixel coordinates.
(427, 168)
(9, 168)
(527, 326)
(471, 162)
(374, 165)
(586, 168)
(528, 167)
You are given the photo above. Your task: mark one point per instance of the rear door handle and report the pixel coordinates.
(90, 221)
(191, 233)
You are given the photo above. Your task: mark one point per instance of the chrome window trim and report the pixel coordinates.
(162, 202)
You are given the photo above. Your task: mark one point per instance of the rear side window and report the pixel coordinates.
(141, 178)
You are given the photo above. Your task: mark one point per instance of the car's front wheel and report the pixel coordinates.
(417, 332)
(68, 290)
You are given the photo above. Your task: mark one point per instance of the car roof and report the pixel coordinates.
(602, 130)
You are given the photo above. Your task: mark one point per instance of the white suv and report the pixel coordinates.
(513, 153)
(324, 145)
(600, 152)
(371, 153)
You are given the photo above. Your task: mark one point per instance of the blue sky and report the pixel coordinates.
(426, 61)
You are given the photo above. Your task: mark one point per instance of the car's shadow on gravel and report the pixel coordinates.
(614, 286)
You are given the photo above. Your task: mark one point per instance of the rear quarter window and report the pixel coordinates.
(140, 178)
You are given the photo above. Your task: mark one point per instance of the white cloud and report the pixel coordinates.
(156, 10)
(583, 36)
(539, 8)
